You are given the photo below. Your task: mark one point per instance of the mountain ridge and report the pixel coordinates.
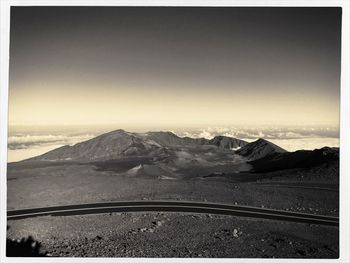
(165, 152)
(119, 142)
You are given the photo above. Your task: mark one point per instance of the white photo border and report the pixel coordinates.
(344, 229)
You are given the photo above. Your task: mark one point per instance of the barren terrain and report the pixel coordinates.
(205, 173)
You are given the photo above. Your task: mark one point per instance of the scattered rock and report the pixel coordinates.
(144, 229)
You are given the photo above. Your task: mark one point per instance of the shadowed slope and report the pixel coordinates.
(299, 159)
(259, 149)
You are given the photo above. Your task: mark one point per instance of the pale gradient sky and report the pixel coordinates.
(166, 67)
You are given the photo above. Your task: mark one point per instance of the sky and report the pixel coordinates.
(158, 67)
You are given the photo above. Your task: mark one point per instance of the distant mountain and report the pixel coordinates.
(259, 149)
(115, 144)
(165, 155)
(299, 159)
(106, 146)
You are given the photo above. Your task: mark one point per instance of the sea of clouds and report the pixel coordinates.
(289, 138)
(262, 132)
(25, 141)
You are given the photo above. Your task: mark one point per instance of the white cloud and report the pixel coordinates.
(27, 141)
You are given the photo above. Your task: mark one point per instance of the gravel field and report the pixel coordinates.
(75, 184)
(176, 235)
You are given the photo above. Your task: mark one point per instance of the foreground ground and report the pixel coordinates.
(176, 235)
(308, 190)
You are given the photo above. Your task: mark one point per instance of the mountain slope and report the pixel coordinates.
(299, 159)
(259, 149)
(106, 146)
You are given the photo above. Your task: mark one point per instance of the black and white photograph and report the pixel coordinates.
(155, 131)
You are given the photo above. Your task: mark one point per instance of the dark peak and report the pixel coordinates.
(327, 148)
(259, 149)
(298, 159)
(335, 148)
(328, 151)
(262, 141)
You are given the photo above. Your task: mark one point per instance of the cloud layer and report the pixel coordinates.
(28, 141)
(263, 132)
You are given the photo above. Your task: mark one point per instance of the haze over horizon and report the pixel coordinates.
(154, 67)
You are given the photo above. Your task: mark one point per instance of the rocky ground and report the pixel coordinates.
(76, 184)
(176, 235)
(313, 190)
